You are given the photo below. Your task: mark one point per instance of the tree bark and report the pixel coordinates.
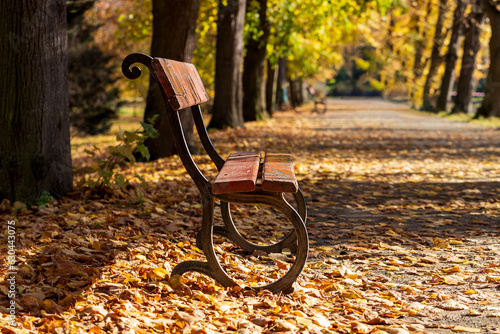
(271, 85)
(436, 58)
(491, 103)
(35, 153)
(463, 101)
(296, 98)
(451, 55)
(174, 37)
(416, 21)
(228, 101)
(254, 66)
(282, 97)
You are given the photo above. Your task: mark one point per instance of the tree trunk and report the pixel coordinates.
(271, 84)
(418, 25)
(254, 66)
(296, 98)
(174, 37)
(416, 21)
(451, 55)
(463, 101)
(228, 101)
(282, 100)
(491, 102)
(436, 58)
(35, 153)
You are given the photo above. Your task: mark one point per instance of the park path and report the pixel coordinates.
(413, 200)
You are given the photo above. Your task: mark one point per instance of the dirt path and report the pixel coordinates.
(412, 201)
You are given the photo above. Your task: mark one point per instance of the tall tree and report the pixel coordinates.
(451, 55)
(174, 37)
(296, 89)
(419, 23)
(471, 47)
(282, 101)
(271, 86)
(491, 102)
(228, 101)
(436, 58)
(254, 64)
(35, 154)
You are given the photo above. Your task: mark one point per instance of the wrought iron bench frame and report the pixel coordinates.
(193, 94)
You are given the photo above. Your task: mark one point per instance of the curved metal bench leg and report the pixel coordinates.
(302, 242)
(230, 231)
(212, 267)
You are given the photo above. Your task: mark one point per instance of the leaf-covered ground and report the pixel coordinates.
(404, 225)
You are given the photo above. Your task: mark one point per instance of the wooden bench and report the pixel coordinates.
(243, 178)
(317, 102)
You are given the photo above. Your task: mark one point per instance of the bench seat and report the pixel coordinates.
(278, 174)
(241, 170)
(239, 174)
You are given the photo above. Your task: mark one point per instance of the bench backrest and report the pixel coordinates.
(181, 83)
(181, 88)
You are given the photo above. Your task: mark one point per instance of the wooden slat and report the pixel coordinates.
(239, 173)
(181, 82)
(278, 174)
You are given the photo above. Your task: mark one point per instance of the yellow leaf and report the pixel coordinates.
(474, 312)
(95, 330)
(346, 272)
(141, 257)
(466, 329)
(46, 305)
(440, 243)
(321, 320)
(493, 278)
(160, 272)
(350, 294)
(454, 269)
(304, 321)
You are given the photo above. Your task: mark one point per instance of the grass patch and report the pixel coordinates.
(492, 122)
(134, 110)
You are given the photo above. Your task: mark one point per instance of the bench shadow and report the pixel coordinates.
(414, 211)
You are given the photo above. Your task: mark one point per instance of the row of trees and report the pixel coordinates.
(241, 47)
(250, 40)
(425, 49)
(241, 44)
